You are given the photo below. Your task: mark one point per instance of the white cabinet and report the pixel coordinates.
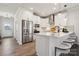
(42, 46)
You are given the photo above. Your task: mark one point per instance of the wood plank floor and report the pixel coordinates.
(9, 47)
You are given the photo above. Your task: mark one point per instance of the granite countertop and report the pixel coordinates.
(53, 34)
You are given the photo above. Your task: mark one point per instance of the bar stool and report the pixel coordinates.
(63, 47)
(73, 37)
(71, 41)
(74, 51)
(72, 34)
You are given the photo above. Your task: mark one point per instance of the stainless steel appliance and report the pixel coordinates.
(27, 31)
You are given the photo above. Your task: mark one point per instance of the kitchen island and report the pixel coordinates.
(47, 41)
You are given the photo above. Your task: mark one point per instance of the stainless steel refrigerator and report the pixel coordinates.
(27, 31)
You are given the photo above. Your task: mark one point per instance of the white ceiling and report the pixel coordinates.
(42, 9)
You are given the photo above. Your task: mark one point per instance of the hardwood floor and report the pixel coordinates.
(9, 47)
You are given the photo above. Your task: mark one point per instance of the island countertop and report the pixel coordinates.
(60, 34)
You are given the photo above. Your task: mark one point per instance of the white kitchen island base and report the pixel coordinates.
(47, 41)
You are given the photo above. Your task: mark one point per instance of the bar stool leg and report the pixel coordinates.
(55, 50)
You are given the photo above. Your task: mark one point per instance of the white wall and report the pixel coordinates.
(6, 14)
(60, 19)
(17, 26)
(74, 20)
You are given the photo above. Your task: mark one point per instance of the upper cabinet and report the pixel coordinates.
(61, 19)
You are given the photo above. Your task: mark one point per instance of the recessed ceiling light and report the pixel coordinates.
(65, 5)
(31, 8)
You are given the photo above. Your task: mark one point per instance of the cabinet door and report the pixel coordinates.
(42, 45)
(61, 19)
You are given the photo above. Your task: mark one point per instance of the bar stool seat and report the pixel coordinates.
(72, 34)
(63, 47)
(69, 41)
(72, 37)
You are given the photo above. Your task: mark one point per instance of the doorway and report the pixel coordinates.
(7, 27)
